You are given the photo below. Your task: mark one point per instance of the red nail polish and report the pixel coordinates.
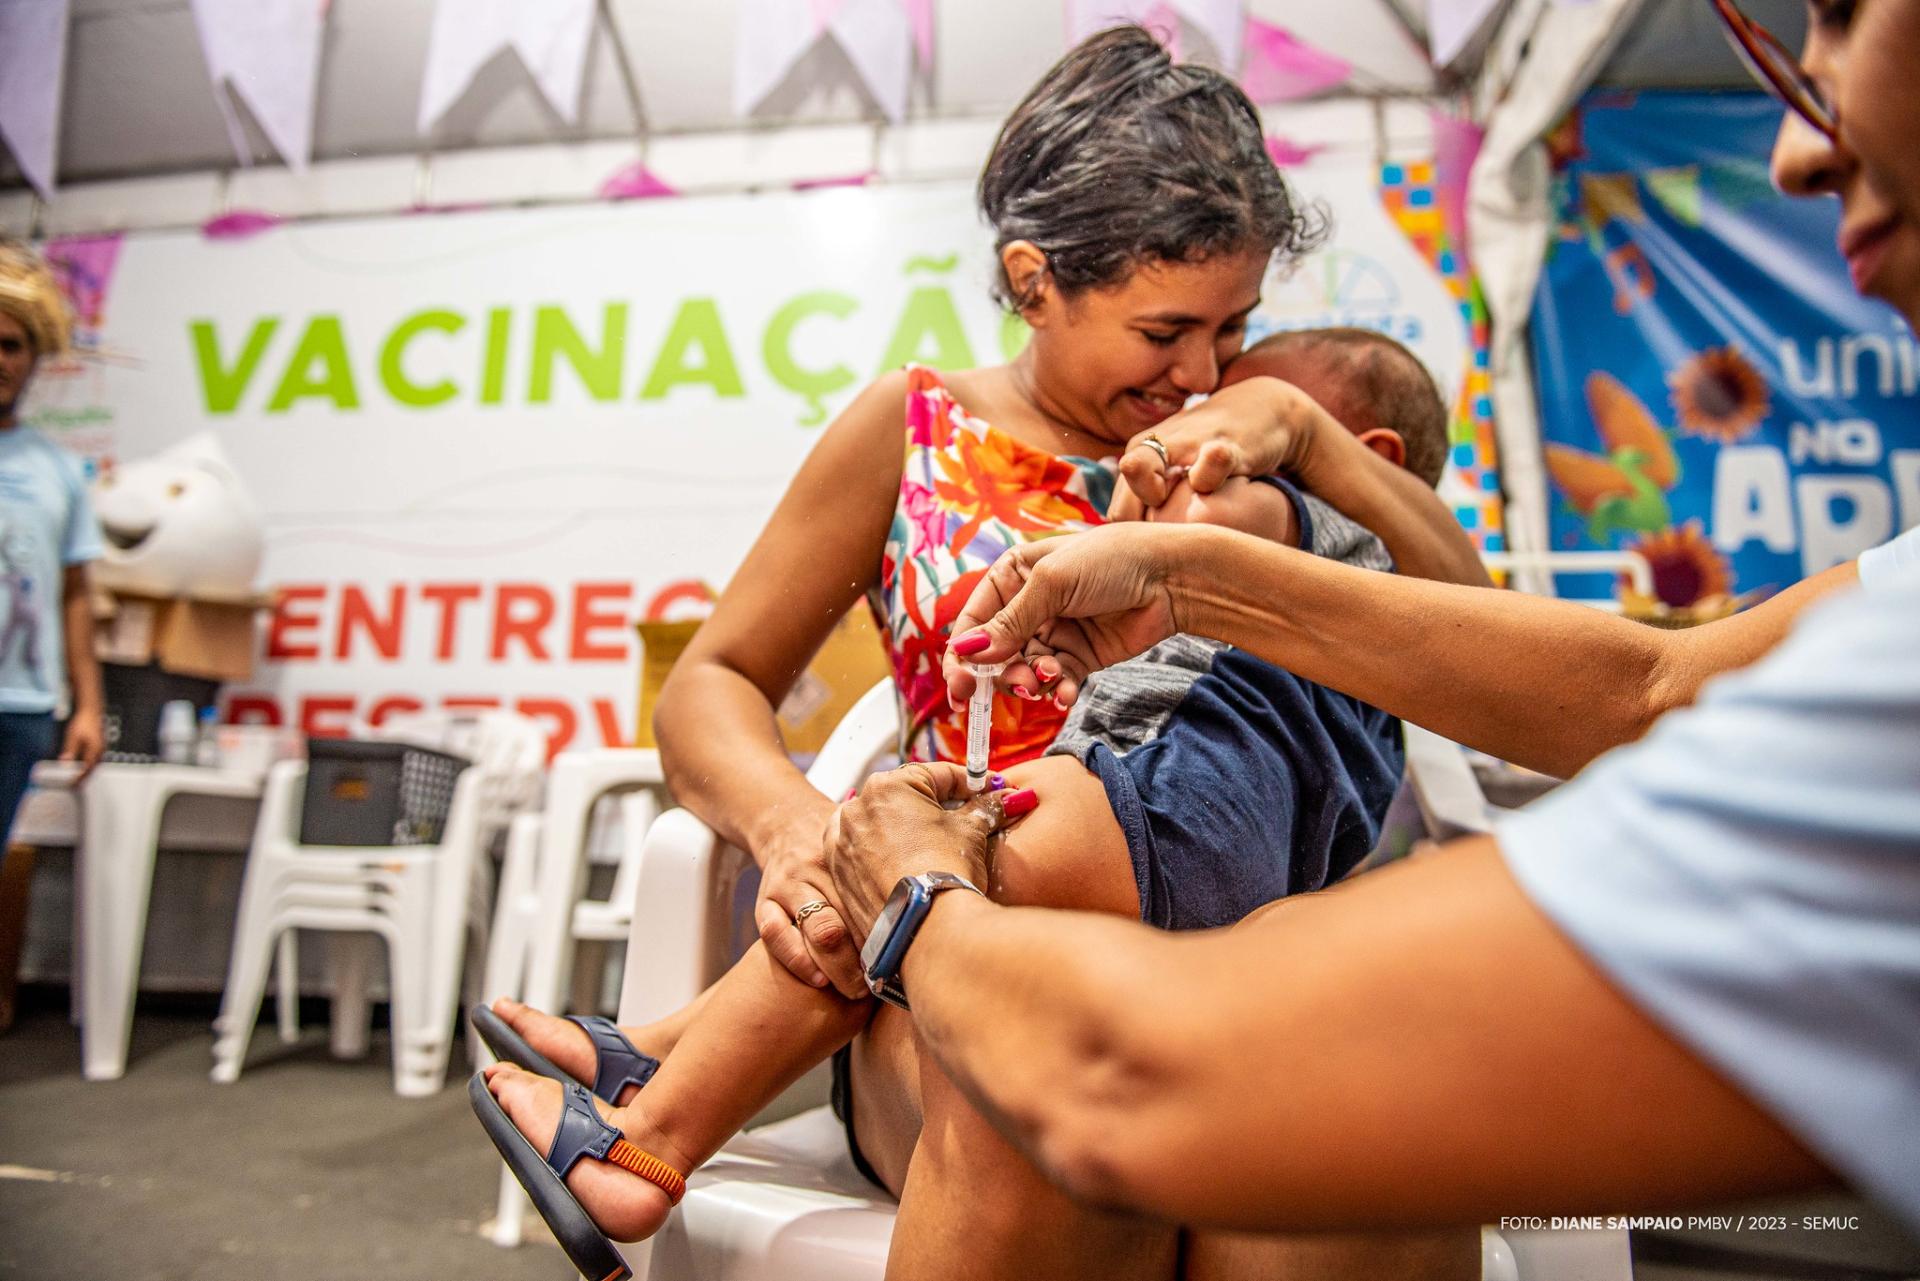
(1014, 804)
(971, 643)
(1021, 691)
(851, 793)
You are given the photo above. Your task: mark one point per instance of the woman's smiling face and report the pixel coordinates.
(1864, 55)
(1120, 360)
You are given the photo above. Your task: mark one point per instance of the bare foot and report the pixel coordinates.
(625, 1206)
(564, 1042)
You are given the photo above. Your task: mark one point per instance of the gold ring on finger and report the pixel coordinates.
(808, 909)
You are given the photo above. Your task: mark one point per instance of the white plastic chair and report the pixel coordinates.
(783, 1202)
(420, 899)
(540, 911)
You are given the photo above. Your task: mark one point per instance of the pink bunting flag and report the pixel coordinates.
(1220, 21)
(1456, 144)
(844, 180)
(239, 224)
(84, 266)
(634, 182)
(920, 18)
(1281, 67)
(1288, 154)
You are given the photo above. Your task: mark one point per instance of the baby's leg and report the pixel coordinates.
(1070, 852)
(1250, 506)
(567, 1046)
(759, 1028)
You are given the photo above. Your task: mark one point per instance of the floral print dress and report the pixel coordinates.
(967, 493)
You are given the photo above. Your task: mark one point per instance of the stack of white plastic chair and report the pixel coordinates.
(542, 910)
(423, 900)
(783, 1202)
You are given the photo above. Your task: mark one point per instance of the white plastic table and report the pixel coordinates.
(120, 811)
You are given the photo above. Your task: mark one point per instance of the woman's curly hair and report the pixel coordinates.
(1118, 157)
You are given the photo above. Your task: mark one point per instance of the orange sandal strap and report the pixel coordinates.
(649, 1167)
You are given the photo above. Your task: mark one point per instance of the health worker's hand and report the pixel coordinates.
(817, 948)
(1061, 608)
(899, 826)
(1253, 428)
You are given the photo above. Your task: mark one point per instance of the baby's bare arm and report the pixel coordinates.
(1250, 506)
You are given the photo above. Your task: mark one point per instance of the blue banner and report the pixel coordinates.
(1713, 393)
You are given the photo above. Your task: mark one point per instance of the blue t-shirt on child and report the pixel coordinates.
(46, 524)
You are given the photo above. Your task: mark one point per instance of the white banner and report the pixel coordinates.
(486, 444)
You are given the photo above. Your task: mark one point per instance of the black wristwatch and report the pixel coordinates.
(894, 928)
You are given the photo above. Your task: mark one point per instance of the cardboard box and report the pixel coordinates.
(849, 663)
(208, 638)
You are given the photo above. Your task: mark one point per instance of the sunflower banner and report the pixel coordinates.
(1714, 393)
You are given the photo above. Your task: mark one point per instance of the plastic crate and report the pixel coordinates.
(362, 792)
(134, 697)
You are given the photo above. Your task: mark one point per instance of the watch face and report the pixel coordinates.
(884, 924)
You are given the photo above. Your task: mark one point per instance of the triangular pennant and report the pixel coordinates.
(1288, 154)
(33, 53)
(635, 182)
(771, 36)
(550, 36)
(268, 52)
(880, 37)
(1222, 22)
(1281, 67)
(1452, 25)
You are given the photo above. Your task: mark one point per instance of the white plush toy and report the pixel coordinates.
(178, 524)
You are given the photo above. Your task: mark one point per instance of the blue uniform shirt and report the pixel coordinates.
(1749, 876)
(46, 524)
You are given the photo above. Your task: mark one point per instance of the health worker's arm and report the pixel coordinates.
(1419, 1046)
(1544, 683)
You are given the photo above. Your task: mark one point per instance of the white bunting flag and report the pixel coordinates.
(268, 53)
(550, 36)
(1222, 22)
(880, 38)
(1452, 25)
(33, 52)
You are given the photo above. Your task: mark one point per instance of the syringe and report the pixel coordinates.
(980, 722)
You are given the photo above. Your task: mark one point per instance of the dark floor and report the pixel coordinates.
(307, 1168)
(310, 1169)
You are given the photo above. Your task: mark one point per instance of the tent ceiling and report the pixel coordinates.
(137, 100)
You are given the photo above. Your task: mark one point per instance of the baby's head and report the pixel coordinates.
(1135, 212)
(1376, 388)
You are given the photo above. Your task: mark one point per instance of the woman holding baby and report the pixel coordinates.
(1136, 216)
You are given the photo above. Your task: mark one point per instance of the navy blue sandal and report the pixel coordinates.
(618, 1064)
(581, 1133)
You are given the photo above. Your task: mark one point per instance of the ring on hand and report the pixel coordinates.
(1158, 446)
(808, 909)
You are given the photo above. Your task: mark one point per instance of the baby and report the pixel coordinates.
(1189, 787)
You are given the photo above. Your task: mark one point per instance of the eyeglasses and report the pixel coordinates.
(1773, 66)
